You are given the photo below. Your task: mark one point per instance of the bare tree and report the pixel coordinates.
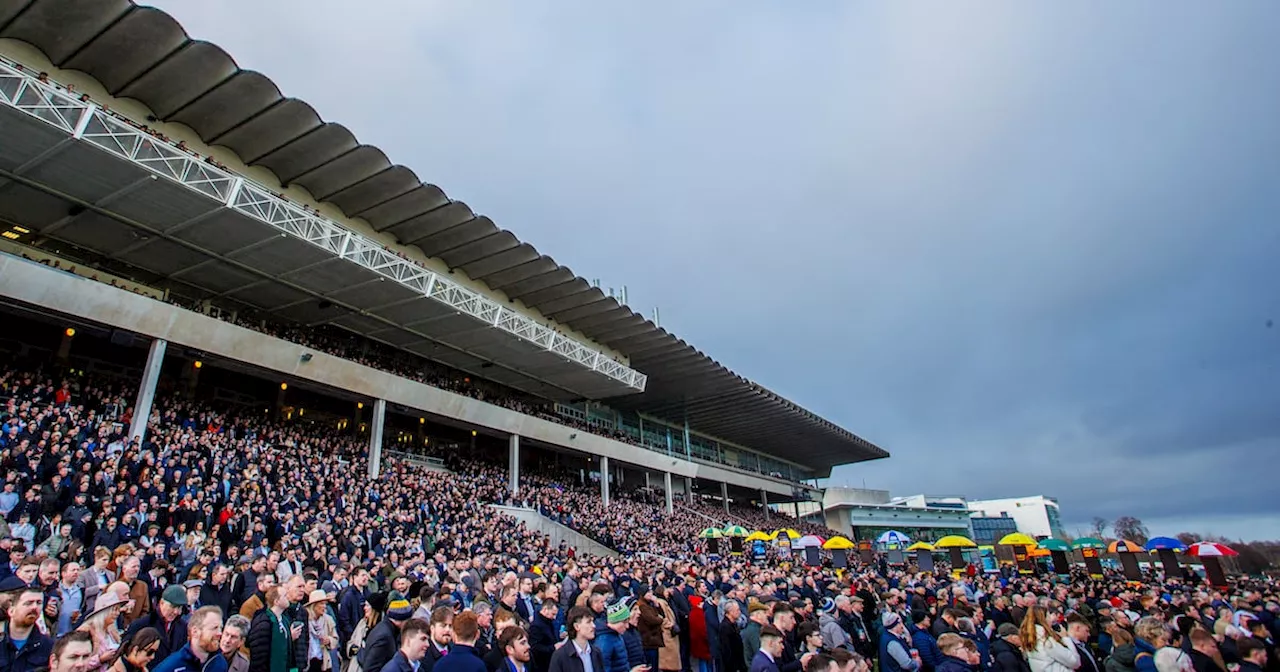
(1100, 525)
(1131, 529)
(1189, 538)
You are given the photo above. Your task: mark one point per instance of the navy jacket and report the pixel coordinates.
(761, 663)
(461, 658)
(33, 656)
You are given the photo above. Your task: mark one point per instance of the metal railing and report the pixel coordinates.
(86, 121)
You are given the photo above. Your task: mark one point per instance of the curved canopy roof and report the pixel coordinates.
(143, 53)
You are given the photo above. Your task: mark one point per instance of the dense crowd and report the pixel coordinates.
(224, 542)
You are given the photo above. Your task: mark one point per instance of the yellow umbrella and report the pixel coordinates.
(921, 546)
(791, 534)
(1017, 539)
(839, 544)
(956, 541)
(758, 536)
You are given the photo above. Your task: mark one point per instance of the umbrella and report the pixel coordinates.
(735, 531)
(893, 537)
(790, 534)
(711, 533)
(809, 540)
(1165, 544)
(954, 541)
(1123, 546)
(839, 544)
(1211, 549)
(1017, 539)
(921, 546)
(1089, 542)
(1055, 545)
(758, 536)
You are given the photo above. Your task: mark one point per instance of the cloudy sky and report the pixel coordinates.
(1029, 248)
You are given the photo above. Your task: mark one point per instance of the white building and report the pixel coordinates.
(866, 514)
(1036, 516)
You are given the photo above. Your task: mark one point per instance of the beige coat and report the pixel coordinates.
(669, 654)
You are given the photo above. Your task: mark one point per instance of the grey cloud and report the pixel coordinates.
(1034, 245)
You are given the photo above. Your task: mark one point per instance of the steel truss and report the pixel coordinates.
(85, 121)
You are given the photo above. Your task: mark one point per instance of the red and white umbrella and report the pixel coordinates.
(1210, 549)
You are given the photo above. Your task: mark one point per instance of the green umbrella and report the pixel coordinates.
(1055, 545)
(711, 533)
(735, 531)
(1089, 542)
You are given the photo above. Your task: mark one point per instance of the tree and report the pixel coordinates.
(1189, 538)
(1131, 529)
(1099, 529)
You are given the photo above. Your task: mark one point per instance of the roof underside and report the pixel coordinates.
(143, 53)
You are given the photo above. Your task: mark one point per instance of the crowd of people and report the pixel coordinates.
(231, 542)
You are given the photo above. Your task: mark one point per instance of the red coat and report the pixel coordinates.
(698, 646)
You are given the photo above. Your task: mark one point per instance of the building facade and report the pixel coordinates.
(866, 514)
(1037, 516)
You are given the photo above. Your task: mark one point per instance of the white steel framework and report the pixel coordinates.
(85, 121)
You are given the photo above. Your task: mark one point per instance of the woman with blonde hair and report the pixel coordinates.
(1046, 649)
(103, 625)
(1151, 636)
(323, 632)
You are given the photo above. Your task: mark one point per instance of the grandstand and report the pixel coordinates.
(156, 196)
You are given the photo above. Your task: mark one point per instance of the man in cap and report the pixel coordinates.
(757, 618)
(168, 620)
(896, 653)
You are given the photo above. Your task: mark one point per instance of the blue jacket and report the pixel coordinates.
(761, 663)
(924, 642)
(984, 648)
(398, 663)
(184, 660)
(635, 647)
(950, 664)
(613, 651)
(887, 662)
(1145, 661)
(460, 658)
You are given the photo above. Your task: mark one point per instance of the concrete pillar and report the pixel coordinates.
(604, 480)
(666, 481)
(375, 438)
(147, 390)
(724, 496)
(764, 499)
(797, 505)
(688, 490)
(64, 348)
(513, 476)
(646, 479)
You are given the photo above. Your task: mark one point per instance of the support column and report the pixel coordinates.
(764, 500)
(646, 479)
(688, 490)
(666, 480)
(604, 480)
(724, 496)
(147, 390)
(375, 438)
(513, 476)
(797, 505)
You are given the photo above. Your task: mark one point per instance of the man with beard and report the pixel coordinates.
(203, 650)
(24, 648)
(515, 644)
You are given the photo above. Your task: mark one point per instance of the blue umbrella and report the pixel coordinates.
(1165, 544)
(893, 537)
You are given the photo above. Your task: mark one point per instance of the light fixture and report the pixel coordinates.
(359, 404)
(10, 235)
(284, 386)
(301, 411)
(473, 432)
(21, 229)
(70, 332)
(199, 364)
(422, 421)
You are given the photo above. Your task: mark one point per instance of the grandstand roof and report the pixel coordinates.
(142, 53)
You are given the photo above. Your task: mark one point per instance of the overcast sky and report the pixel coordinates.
(1029, 248)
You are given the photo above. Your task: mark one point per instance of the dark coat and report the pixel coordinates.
(259, 640)
(380, 646)
(461, 658)
(566, 659)
(33, 656)
(761, 663)
(732, 656)
(542, 641)
(1005, 657)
